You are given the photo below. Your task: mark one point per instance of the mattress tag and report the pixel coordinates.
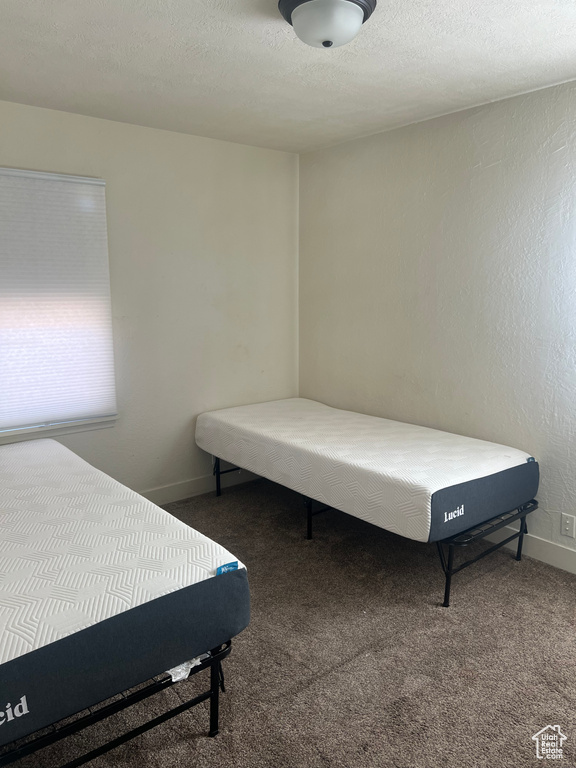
(228, 567)
(182, 671)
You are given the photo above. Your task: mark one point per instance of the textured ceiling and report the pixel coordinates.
(232, 69)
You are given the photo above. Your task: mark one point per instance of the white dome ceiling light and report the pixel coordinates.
(326, 23)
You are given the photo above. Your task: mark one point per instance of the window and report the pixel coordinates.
(56, 357)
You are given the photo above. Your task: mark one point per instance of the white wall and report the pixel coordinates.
(203, 258)
(438, 281)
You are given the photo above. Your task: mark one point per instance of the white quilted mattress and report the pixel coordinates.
(382, 471)
(77, 547)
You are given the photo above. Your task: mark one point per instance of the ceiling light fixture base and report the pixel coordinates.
(286, 7)
(326, 23)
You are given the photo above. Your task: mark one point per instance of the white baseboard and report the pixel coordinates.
(540, 549)
(165, 494)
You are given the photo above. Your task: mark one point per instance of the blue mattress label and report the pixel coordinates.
(228, 567)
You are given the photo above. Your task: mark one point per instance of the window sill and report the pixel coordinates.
(53, 430)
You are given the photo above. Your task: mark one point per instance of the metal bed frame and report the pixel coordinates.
(30, 744)
(461, 540)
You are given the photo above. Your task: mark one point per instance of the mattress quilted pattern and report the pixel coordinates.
(379, 470)
(77, 547)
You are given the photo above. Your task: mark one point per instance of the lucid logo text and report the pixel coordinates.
(11, 712)
(451, 515)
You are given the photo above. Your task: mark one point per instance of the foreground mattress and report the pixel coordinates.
(100, 589)
(420, 483)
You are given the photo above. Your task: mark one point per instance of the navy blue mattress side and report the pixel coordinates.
(78, 671)
(463, 506)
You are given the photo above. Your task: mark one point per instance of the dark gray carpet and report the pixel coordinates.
(350, 661)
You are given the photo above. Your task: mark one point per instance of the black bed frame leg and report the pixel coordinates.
(221, 678)
(216, 472)
(523, 530)
(309, 518)
(478, 534)
(215, 682)
(448, 572)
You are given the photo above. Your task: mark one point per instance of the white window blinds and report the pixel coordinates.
(56, 359)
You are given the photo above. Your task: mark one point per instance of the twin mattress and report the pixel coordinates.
(420, 483)
(100, 589)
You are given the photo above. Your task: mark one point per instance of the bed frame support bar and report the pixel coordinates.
(217, 472)
(310, 514)
(216, 684)
(478, 533)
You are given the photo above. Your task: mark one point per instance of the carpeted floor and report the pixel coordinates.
(351, 662)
